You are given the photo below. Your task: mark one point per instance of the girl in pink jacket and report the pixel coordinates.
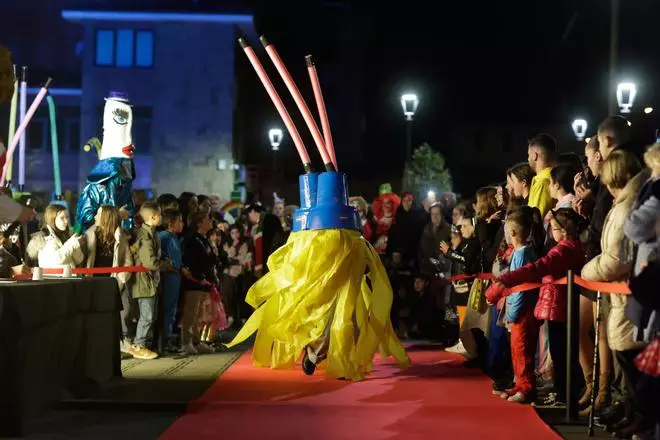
(567, 254)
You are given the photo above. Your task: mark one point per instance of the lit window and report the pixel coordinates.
(144, 50)
(105, 48)
(124, 48)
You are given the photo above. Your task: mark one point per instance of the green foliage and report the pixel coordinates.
(427, 171)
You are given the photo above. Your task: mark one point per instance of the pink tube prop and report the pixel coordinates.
(284, 114)
(21, 128)
(323, 114)
(293, 89)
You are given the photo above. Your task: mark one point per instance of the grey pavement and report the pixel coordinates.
(141, 406)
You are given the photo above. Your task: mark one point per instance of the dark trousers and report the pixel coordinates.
(630, 377)
(557, 333)
(499, 364)
(128, 315)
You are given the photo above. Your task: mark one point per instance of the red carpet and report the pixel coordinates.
(435, 398)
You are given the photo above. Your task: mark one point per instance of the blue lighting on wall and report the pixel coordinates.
(105, 47)
(125, 48)
(144, 51)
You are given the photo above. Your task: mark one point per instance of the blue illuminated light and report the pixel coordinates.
(125, 48)
(105, 47)
(144, 51)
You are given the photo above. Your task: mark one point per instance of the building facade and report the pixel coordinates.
(178, 69)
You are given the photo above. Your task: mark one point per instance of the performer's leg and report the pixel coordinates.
(317, 351)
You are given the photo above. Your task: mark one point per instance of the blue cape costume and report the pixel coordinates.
(109, 183)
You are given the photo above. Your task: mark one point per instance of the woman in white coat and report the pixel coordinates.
(56, 245)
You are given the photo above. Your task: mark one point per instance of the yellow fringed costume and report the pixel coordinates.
(327, 293)
(319, 275)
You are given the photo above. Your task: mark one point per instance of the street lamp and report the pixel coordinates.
(625, 96)
(409, 102)
(579, 128)
(275, 136)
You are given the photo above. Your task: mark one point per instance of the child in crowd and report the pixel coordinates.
(467, 254)
(198, 280)
(56, 245)
(170, 243)
(147, 253)
(567, 254)
(519, 308)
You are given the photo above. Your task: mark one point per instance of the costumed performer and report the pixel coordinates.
(384, 209)
(326, 295)
(110, 182)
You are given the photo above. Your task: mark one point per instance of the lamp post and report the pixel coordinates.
(275, 136)
(409, 102)
(580, 128)
(626, 92)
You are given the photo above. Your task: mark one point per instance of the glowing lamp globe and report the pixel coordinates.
(579, 128)
(275, 136)
(626, 93)
(409, 102)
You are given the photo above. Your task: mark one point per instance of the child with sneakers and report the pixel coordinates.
(198, 280)
(146, 251)
(519, 307)
(170, 243)
(567, 254)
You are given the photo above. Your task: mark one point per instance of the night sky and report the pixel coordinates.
(513, 62)
(471, 62)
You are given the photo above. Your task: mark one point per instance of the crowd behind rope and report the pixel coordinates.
(597, 216)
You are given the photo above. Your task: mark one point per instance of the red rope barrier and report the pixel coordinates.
(596, 286)
(86, 271)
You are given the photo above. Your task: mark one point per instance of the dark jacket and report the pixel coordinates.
(487, 234)
(640, 229)
(603, 203)
(199, 259)
(405, 233)
(429, 245)
(468, 254)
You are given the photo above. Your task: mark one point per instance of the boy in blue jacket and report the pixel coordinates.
(170, 243)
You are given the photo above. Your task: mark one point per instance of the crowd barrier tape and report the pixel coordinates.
(596, 286)
(86, 271)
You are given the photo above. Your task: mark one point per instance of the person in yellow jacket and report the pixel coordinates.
(541, 154)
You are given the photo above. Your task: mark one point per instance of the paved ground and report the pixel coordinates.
(154, 393)
(573, 431)
(141, 406)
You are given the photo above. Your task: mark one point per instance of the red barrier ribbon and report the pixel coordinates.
(596, 286)
(86, 271)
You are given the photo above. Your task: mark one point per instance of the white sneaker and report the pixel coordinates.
(518, 398)
(125, 346)
(458, 349)
(189, 348)
(203, 348)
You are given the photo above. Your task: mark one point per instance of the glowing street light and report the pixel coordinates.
(409, 102)
(648, 110)
(579, 128)
(275, 136)
(626, 93)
